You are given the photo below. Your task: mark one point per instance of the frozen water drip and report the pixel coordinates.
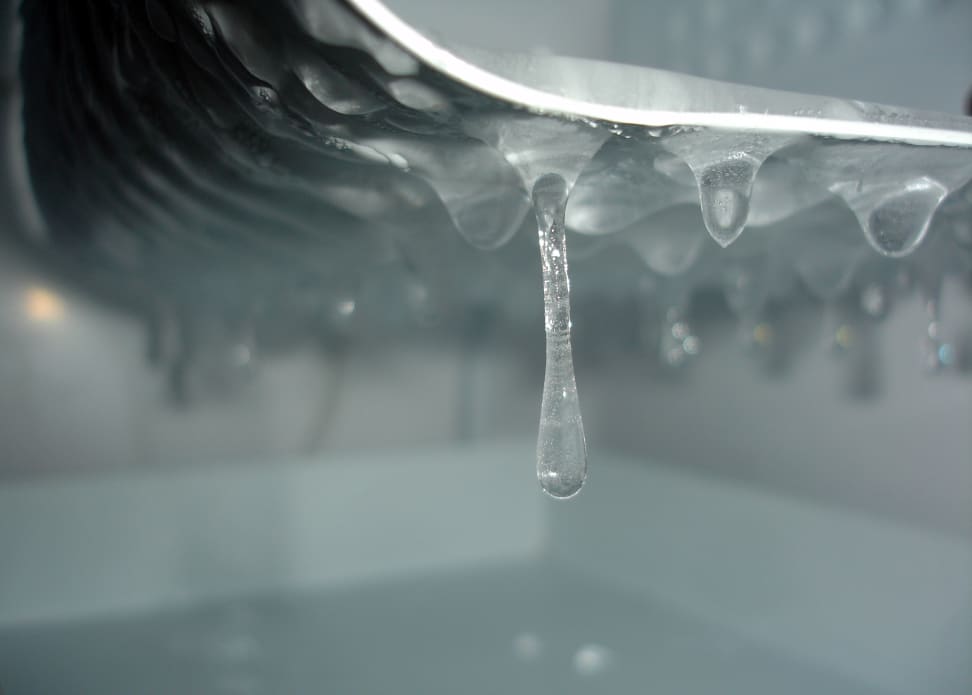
(561, 446)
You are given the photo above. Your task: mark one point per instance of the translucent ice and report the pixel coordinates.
(724, 191)
(894, 217)
(561, 446)
(725, 166)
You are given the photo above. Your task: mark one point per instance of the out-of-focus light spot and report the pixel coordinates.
(345, 308)
(873, 300)
(692, 345)
(42, 305)
(763, 334)
(592, 659)
(844, 336)
(674, 357)
(527, 646)
(946, 355)
(242, 355)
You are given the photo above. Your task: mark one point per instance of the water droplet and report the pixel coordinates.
(899, 223)
(725, 165)
(623, 185)
(895, 218)
(561, 446)
(483, 196)
(724, 192)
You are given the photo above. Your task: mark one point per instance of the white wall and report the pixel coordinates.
(115, 542)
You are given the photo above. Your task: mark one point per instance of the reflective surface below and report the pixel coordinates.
(531, 628)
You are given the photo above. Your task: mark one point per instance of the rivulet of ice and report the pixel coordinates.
(535, 149)
(561, 445)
